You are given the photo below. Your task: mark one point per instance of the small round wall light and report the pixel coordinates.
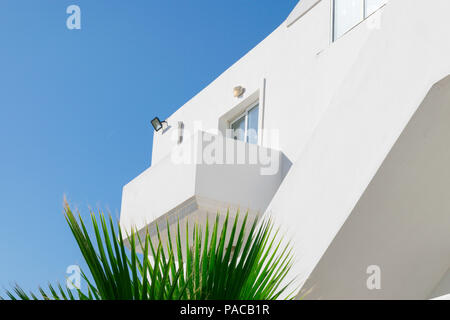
(238, 91)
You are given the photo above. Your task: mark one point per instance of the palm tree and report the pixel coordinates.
(216, 264)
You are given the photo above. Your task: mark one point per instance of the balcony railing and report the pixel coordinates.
(206, 175)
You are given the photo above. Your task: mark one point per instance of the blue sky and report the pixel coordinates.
(76, 105)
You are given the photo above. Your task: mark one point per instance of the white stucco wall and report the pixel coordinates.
(390, 76)
(196, 170)
(339, 107)
(401, 222)
(301, 78)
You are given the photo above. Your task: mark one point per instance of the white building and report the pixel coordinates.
(350, 103)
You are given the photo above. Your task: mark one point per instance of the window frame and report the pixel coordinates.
(364, 15)
(245, 114)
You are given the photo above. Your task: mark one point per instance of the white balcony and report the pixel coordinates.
(205, 175)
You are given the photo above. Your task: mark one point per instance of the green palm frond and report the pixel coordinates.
(230, 260)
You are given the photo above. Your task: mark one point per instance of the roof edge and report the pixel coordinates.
(302, 8)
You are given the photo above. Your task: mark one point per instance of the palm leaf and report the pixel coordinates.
(227, 260)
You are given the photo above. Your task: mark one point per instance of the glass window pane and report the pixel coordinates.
(252, 126)
(374, 5)
(347, 14)
(239, 129)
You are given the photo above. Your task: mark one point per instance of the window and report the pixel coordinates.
(348, 13)
(245, 127)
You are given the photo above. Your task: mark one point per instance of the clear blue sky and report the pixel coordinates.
(76, 105)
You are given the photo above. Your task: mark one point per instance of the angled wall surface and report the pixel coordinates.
(401, 223)
(355, 118)
(388, 81)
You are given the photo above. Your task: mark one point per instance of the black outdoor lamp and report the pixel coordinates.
(158, 124)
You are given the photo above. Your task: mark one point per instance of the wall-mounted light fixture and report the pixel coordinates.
(158, 124)
(238, 91)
